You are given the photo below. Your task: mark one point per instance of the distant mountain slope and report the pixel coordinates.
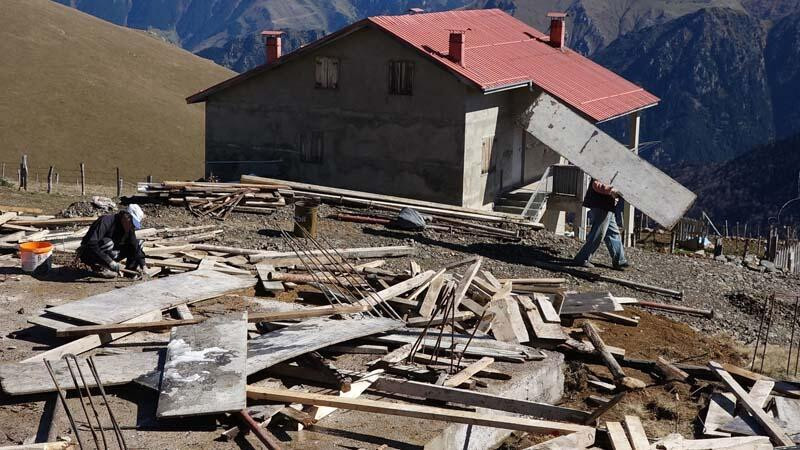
(77, 88)
(708, 68)
(751, 187)
(783, 72)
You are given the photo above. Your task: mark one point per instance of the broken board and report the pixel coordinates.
(588, 302)
(310, 335)
(204, 368)
(33, 378)
(578, 140)
(126, 303)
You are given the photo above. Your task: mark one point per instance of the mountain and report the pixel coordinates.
(751, 187)
(783, 71)
(708, 68)
(79, 89)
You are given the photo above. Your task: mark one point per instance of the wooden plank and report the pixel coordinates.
(608, 161)
(788, 411)
(393, 291)
(356, 389)
(541, 330)
(422, 412)
(397, 355)
(87, 343)
(466, 373)
(466, 280)
(670, 372)
(784, 387)
(287, 343)
(432, 294)
(164, 293)
(612, 364)
(746, 424)
(183, 312)
(546, 309)
(636, 435)
(588, 302)
(439, 319)
(33, 378)
(776, 434)
(263, 271)
(507, 325)
(20, 209)
(721, 407)
(617, 436)
(162, 325)
(491, 279)
(351, 253)
(204, 370)
(5, 217)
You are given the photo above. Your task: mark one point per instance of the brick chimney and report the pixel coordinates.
(456, 51)
(272, 45)
(557, 29)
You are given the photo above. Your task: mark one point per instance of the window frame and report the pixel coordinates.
(395, 81)
(327, 81)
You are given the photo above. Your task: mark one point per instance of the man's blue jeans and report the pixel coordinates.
(604, 229)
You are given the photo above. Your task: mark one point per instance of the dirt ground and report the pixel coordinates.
(735, 293)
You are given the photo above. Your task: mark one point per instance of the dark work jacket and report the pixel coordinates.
(594, 199)
(110, 226)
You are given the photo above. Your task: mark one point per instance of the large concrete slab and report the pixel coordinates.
(126, 303)
(602, 157)
(204, 372)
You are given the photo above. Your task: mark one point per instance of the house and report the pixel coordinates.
(423, 105)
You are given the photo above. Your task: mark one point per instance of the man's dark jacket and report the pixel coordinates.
(594, 199)
(110, 226)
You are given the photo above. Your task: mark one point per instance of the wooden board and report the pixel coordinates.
(605, 159)
(546, 309)
(776, 434)
(126, 303)
(204, 371)
(87, 343)
(745, 424)
(393, 291)
(507, 325)
(617, 436)
(422, 412)
(466, 373)
(721, 407)
(432, 294)
(588, 302)
(636, 435)
(551, 332)
(787, 410)
(33, 378)
(308, 336)
(263, 274)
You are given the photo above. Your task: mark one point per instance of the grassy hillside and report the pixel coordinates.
(79, 89)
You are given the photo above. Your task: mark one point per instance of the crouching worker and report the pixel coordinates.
(111, 239)
(603, 203)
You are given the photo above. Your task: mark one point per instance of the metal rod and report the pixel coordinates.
(758, 334)
(83, 405)
(791, 339)
(63, 399)
(99, 383)
(474, 331)
(766, 337)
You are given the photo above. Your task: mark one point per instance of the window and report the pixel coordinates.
(487, 162)
(327, 72)
(311, 147)
(401, 77)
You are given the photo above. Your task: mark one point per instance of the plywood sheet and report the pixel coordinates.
(204, 371)
(126, 303)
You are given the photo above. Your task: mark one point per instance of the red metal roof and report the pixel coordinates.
(501, 51)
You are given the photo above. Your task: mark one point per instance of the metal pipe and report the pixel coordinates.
(707, 313)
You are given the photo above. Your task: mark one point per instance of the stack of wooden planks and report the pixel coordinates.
(217, 200)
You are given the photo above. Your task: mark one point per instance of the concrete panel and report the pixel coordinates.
(598, 154)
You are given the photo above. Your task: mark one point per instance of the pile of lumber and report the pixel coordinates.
(216, 200)
(19, 225)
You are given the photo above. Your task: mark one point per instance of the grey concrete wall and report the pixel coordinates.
(402, 145)
(519, 158)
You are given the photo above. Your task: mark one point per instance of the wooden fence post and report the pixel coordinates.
(149, 179)
(83, 179)
(56, 186)
(4, 171)
(50, 180)
(23, 173)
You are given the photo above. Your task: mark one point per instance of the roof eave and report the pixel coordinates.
(629, 112)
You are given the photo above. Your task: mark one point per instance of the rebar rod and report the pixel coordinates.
(80, 396)
(791, 339)
(758, 334)
(766, 337)
(383, 305)
(63, 399)
(471, 336)
(114, 423)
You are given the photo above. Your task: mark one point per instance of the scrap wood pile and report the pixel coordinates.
(19, 225)
(437, 338)
(216, 200)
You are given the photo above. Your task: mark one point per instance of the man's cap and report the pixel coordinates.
(137, 215)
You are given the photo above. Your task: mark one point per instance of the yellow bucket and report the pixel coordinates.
(35, 255)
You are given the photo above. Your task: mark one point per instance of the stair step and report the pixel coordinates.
(521, 196)
(507, 202)
(509, 209)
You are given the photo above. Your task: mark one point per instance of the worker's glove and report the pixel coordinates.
(115, 266)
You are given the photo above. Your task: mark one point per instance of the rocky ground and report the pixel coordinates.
(734, 292)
